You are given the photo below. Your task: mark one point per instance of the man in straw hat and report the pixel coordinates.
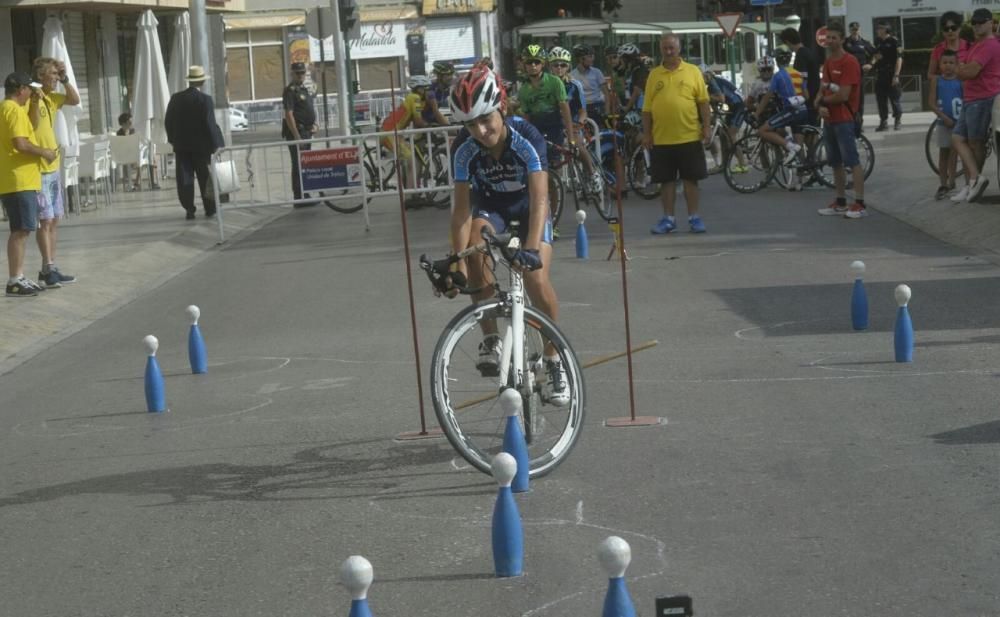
(195, 136)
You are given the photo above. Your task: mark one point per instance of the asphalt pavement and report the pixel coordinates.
(800, 471)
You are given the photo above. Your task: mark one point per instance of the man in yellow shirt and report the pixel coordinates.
(20, 177)
(42, 112)
(675, 128)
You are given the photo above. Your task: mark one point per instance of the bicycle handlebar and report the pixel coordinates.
(443, 278)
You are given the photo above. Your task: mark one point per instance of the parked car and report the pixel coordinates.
(238, 120)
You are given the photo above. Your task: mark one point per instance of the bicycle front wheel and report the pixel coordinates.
(866, 158)
(639, 175)
(467, 403)
(751, 164)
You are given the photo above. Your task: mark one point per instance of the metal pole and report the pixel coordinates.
(767, 20)
(199, 36)
(322, 61)
(340, 58)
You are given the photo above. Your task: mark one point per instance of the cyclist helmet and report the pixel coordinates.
(533, 52)
(560, 54)
(486, 62)
(628, 49)
(418, 81)
(443, 68)
(765, 63)
(582, 50)
(647, 61)
(476, 94)
(783, 55)
(633, 118)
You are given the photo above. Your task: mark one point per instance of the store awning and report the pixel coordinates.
(213, 6)
(257, 21)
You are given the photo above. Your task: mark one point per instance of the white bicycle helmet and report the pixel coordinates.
(765, 63)
(476, 94)
(560, 54)
(628, 49)
(418, 81)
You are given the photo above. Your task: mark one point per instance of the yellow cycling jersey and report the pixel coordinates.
(402, 116)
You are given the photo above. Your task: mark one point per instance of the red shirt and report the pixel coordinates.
(963, 50)
(842, 72)
(986, 84)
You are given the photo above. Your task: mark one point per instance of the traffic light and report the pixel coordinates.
(348, 14)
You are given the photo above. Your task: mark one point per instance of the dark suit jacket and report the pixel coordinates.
(190, 123)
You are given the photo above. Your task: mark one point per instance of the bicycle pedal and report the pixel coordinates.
(488, 370)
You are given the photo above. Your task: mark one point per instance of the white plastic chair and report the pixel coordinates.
(95, 166)
(126, 151)
(71, 181)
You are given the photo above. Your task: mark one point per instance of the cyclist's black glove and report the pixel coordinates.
(448, 283)
(527, 259)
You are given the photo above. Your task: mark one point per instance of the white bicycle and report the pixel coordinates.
(466, 399)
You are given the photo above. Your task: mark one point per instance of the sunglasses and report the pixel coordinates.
(950, 28)
(559, 65)
(532, 62)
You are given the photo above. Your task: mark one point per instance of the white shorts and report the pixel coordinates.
(50, 201)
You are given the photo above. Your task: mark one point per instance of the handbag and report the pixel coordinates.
(226, 176)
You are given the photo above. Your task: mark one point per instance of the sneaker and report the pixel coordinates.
(697, 227)
(20, 290)
(65, 279)
(663, 226)
(50, 279)
(833, 209)
(556, 389)
(941, 193)
(856, 211)
(898, 125)
(740, 169)
(795, 183)
(596, 182)
(488, 363)
(961, 195)
(977, 188)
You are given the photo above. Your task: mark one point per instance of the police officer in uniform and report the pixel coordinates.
(863, 50)
(888, 63)
(299, 122)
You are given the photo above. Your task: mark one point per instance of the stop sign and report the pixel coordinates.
(821, 37)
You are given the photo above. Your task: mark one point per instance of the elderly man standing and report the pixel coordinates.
(195, 136)
(20, 176)
(42, 111)
(980, 75)
(675, 128)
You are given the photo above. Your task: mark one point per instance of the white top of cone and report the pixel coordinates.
(151, 343)
(510, 402)
(858, 267)
(504, 468)
(581, 216)
(193, 312)
(614, 554)
(356, 574)
(903, 294)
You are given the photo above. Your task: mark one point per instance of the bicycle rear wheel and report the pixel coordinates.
(467, 403)
(866, 158)
(638, 175)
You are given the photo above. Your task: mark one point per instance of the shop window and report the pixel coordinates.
(918, 33)
(238, 69)
(237, 37)
(374, 73)
(268, 73)
(266, 35)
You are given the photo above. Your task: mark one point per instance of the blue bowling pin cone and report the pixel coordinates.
(155, 399)
(356, 574)
(513, 438)
(859, 298)
(508, 537)
(582, 244)
(196, 344)
(903, 338)
(615, 555)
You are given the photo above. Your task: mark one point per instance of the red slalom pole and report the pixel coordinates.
(632, 419)
(423, 433)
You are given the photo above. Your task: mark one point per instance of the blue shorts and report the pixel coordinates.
(50, 200)
(793, 117)
(974, 121)
(737, 115)
(841, 144)
(21, 209)
(501, 220)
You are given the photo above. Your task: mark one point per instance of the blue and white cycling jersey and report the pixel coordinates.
(500, 184)
(575, 97)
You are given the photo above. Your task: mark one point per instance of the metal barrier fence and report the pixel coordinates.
(368, 167)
